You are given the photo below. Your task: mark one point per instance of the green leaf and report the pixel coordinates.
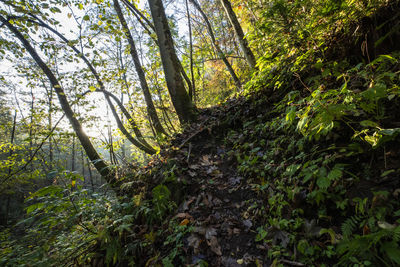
(390, 131)
(335, 174)
(323, 182)
(48, 190)
(368, 123)
(392, 250)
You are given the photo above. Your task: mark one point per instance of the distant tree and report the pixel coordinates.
(220, 53)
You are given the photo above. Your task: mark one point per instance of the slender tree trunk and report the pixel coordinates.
(12, 139)
(137, 132)
(192, 93)
(216, 46)
(151, 110)
(73, 154)
(148, 150)
(90, 175)
(244, 46)
(94, 157)
(140, 17)
(171, 65)
(7, 210)
(31, 132)
(83, 165)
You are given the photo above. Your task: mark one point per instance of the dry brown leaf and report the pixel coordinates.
(210, 232)
(215, 247)
(194, 241)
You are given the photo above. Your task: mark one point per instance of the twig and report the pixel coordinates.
(293, 263)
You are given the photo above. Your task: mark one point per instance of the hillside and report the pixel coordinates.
(301, 168)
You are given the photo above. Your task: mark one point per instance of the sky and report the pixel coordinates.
(68, 27)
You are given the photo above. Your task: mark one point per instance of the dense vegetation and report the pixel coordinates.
(277, 147)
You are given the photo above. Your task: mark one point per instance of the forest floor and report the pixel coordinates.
(220, 203)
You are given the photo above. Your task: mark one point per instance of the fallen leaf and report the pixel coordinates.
(194, 241)
(213, 243)
(192, 174)
(248, 224)
(210, 232)
(187, 203)
(194, 167)
(183, 216)
(184, 222)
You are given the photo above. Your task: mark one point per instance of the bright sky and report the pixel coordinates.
(69, 27)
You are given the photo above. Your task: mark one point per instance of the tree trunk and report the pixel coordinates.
(121, 127)
(73, 154)
(244, 46)
(94, 157)
(151, 110)
(216, 46)
(192, 93)
(171, 65)
(101, 85)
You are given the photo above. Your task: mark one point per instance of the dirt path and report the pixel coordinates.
(219, 203)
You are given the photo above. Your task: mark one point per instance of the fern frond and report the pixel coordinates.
(350, 225)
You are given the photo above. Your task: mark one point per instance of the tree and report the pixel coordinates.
(139, 70)
(244, 46)
(221, 54)
(91, 152)
(171, 65)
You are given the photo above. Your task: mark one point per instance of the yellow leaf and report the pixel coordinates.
(69, 15)
(184, 222)
(137, 199)
(92, 88)
(73, 183)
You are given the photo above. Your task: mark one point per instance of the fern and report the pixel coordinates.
(350, 225)
(379, 247)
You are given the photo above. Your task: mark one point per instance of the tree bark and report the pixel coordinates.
(151, 110)
(244, 46)
(100, 165)
(171, 65)
(216, 46)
